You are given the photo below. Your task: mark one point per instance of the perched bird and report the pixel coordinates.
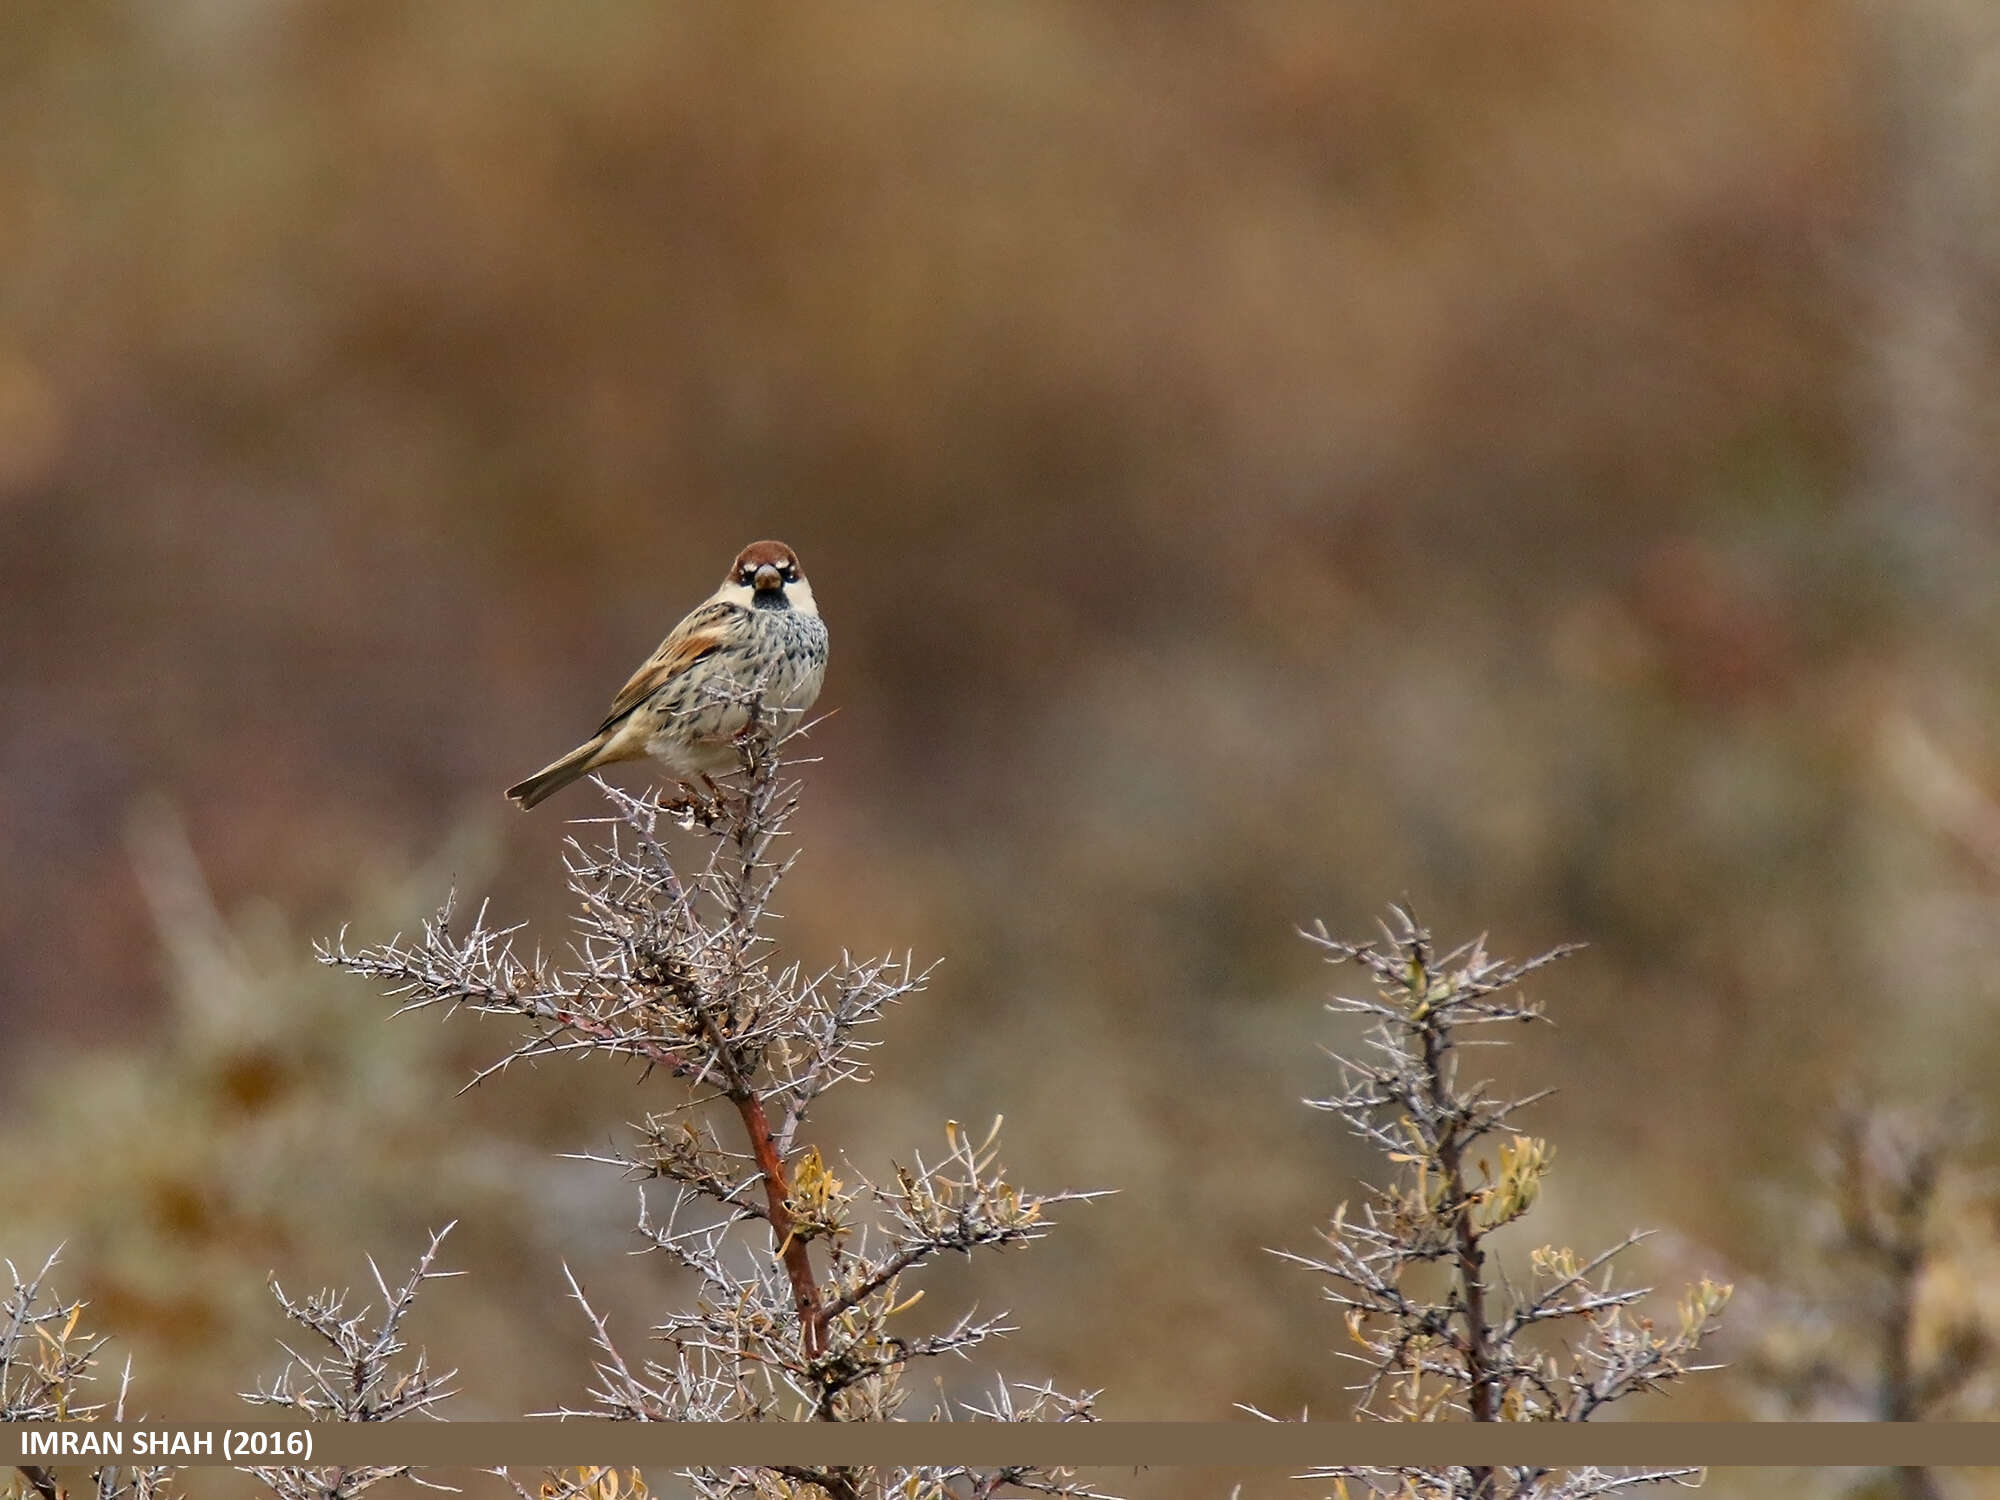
(760, 631)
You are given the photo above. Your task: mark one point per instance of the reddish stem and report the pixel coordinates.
(798, 1265)
(763, 1145)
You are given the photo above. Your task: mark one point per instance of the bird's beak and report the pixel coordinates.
(769, 578)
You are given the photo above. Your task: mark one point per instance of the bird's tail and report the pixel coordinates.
(554, 777)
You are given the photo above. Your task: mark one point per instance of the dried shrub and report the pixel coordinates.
(805, 1267)
(1441, 1330)
(1882, 1314)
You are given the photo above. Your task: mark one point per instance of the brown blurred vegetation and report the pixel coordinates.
(1258, 461)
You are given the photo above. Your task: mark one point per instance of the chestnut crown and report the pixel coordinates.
(754, 558)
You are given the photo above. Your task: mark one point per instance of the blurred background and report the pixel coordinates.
(1259, 462)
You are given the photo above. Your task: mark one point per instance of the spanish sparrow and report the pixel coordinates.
(759, 633)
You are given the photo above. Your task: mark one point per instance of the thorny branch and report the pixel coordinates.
(1481, 1345)
(354, 1375)
(672, 966)
(48, 1360)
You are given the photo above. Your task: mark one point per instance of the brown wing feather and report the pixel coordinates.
(700, 633)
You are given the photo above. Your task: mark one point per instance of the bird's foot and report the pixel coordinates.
(694, 804)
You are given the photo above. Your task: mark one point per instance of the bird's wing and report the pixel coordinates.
(700, 633)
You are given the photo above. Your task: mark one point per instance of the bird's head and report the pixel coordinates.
(766, 575)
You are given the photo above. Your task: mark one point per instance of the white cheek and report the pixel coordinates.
(801, 595)
(733, 592)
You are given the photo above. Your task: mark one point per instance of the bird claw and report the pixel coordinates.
(691, 804)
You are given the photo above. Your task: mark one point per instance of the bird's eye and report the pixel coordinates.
(791, 574)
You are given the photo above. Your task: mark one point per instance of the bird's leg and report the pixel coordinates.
(691, 804)
(713, 799)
